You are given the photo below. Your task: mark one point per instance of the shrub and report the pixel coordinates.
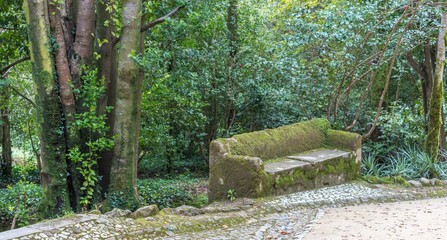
(19, 201)
(408, 162)
(370, 165)
(27, 172)
(166, 193)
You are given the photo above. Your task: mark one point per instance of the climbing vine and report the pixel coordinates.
(95, 128)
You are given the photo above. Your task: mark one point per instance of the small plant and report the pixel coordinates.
(231, 194)
(370, 165)
(398, 165)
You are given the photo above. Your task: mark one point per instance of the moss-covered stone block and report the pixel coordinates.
(243, 175)
(237, 163)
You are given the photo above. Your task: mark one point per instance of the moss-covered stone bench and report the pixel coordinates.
(287, 159)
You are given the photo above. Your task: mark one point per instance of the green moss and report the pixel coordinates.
(438, 182)
(343, 140)
(230, 169)
(377, 179)
(318, 175)
(387, 180)
(401, 181)
(438, 193)
(282, 141)
(240, 174)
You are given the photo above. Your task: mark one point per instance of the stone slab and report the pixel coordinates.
(284, 165)
(18, 233)
(320, 156)
(52, 224)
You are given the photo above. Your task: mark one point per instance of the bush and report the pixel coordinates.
(399, 126)
(27, 172)
(166, 193)
(407, 162)
(19, 201)
(370, 165)
(153, 166)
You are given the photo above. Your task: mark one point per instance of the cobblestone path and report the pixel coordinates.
(284, 217)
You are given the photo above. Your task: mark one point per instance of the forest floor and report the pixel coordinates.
(348, 211)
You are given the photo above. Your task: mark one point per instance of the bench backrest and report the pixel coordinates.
(279, 142)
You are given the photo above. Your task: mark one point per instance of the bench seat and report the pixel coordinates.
(287, 159)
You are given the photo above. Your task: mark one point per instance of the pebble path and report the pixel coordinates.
(296, 213)
(282, 217)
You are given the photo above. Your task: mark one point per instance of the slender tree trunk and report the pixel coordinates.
(52, 143)
(233, 38)
(5, 131)
(67, 99)
(126, 111)
(437, 95)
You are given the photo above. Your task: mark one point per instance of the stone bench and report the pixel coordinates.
(287, 159)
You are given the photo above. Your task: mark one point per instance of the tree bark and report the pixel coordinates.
(5, 131)
(67, 99)
(126, 109)
(52, 143)
(437, 94)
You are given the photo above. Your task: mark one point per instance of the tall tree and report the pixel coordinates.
(12, 53)
(233, 40)
(437, 94)
(86, 36)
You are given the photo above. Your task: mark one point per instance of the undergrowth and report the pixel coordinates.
(407, 162)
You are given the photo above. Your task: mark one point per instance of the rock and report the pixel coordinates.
(95, 211)
(187, 211)
(102, 220)
(170, 227)
(167, 211)
(444, 182)
(146, 211)
(277, 208)
(116, 212)
(76, 229)
(432, 181)
(211, 209)
(248, 201)
(439, 182)
(415, 183)
(424, 181)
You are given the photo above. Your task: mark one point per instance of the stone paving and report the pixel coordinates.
(283, 217)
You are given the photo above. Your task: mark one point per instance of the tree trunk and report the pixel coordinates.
(55, 197)
(233, 39)
(67, 99)
(5, 131)
(437, 95)
(106, 69)
(126, 110)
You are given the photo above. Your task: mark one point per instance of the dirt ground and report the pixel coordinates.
(421, 219)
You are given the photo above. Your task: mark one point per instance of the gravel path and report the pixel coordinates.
(347, 211)
(422, 219)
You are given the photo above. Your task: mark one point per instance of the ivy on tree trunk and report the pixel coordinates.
(436, 100)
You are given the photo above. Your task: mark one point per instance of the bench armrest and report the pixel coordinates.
(243, 174)
(345, 141)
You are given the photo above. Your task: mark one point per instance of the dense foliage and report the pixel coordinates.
(212, 71)
(18, 204)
